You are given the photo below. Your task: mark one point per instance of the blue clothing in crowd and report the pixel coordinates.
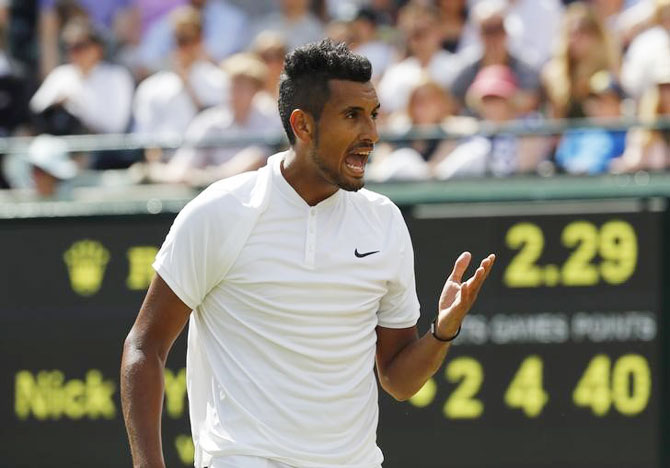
(589, 151)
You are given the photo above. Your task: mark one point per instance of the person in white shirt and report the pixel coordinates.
(424, 43)
(246, 115)
(295, 280)
(641, 58)
(166, 102)
(82, 86)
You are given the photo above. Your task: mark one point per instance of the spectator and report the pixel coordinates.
(294, 21)
(366, 42)
(645, 50)
(453, 21)
(429, 106)
(166, 102)
(271, 49)
(584, 48)
(489, 17)
(81, 88)
(224, 28)
(13, 90)
(105, 15)
(531, 27)
(492, 95)
(650, 149)
(591, 150)
(201, 166)
(50, 166)
(424, 43)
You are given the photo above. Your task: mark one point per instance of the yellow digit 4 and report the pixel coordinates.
(525, 390)
(461, 404)
(522, 271)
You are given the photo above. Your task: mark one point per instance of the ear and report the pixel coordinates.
(302, 124)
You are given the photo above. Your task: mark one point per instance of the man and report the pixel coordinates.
(224, 32)
(420, 24)
(166, 102)
(294, 21)
(298, 281)
(200, 166)
(489, 17)
(82, 86)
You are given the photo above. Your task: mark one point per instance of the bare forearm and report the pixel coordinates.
(142, 399)
(413, 366)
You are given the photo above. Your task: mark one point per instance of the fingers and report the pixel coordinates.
(477, 280)
(460, 266)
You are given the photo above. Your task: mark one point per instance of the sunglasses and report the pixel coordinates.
(493, 29)
(78, 46)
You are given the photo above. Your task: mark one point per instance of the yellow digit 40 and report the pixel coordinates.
(627, 385)
(461, 404)
(525, 390)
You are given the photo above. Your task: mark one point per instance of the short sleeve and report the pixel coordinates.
(189, 260)
(399, 307)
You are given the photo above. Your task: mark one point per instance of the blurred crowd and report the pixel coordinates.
(202, 69)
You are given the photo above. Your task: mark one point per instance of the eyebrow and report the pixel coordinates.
(359, 109)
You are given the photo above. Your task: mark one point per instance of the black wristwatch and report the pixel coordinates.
(433, 331)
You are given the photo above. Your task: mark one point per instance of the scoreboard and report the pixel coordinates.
(563, 362)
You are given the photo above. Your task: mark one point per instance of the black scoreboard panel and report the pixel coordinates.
(559, 364)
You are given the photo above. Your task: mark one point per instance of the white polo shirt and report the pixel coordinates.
(282, 346)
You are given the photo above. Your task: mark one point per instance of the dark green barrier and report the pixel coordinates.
(560, 363)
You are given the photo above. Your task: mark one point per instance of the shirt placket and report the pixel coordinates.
(310, 244)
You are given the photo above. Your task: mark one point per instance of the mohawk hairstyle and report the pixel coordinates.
(307, 70)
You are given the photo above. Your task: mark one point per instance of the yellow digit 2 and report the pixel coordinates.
(525, 391)
(578, 270)
(522, 272)
(618, 249)
(461, 404)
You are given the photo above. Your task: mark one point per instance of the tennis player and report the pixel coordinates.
(295, 281)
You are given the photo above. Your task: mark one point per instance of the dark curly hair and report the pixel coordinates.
(307, 70)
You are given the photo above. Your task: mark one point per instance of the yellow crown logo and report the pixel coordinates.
(86, 262)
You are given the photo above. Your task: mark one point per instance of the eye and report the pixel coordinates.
(375, 115)
(350, 115)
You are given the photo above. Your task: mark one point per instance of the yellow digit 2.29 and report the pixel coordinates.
(615, 243)
(627, 385)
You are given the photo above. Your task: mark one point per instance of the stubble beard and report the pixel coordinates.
(330, 174)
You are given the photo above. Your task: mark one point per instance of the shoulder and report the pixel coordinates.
(374, 205)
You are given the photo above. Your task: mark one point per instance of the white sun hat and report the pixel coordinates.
(51, 154)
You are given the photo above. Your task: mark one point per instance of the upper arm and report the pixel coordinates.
(160, 321)
(390, 342)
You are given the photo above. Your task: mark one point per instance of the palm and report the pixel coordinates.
(458, 296)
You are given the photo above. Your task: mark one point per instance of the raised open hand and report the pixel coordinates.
(457, 296)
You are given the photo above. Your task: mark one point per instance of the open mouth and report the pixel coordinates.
(357, 159)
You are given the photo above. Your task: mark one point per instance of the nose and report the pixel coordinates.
(370, 132)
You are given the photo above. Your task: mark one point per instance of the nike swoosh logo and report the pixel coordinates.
(364, 254)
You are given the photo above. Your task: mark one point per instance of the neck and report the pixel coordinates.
(495, 56)
(300, 175)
